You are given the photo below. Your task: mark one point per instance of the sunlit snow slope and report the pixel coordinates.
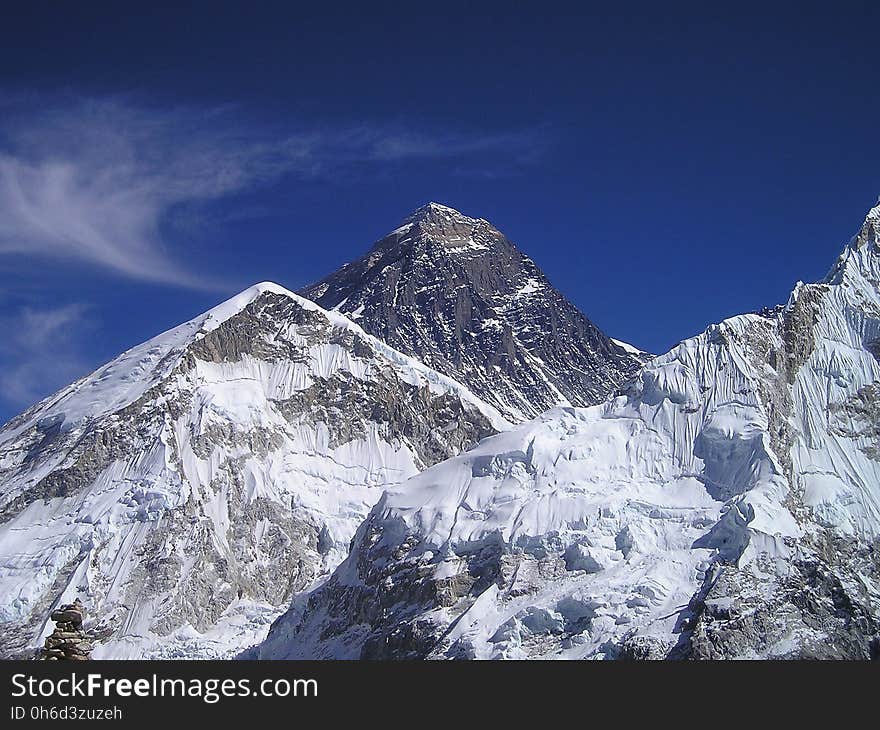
(186, 490)
(725, 505)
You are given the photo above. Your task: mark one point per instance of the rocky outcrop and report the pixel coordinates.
(68, 642)
(813, 611)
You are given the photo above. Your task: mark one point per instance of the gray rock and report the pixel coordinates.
(67, 641)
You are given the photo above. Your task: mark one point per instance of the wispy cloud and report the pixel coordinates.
(95, 181)
(408, 144)
(39, 352)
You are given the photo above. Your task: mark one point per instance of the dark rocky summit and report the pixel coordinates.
(454, 292)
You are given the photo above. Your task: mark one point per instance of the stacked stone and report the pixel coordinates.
(68, 641)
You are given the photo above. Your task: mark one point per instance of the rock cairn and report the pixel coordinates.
(68, 641)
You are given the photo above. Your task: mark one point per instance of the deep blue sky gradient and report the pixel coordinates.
(671, 164)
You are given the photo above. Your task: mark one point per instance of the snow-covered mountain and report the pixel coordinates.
(184, 491)
(454, 292)
(725, 505)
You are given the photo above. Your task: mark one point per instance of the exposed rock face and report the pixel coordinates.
(454, 292)
(68, 641)
(186, 490)
(725, 505)
(808, 613)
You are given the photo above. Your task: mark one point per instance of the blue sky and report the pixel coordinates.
(666, 165)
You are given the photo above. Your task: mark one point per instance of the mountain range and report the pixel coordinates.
(431, 453)
(726, 504)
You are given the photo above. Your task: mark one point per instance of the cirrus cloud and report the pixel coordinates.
(40, 351)
(96, 180)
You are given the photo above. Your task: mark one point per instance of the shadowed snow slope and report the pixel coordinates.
(726, 504)
(187, 489)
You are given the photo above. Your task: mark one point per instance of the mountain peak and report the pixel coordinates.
(445, 231)
(873, 217)
(440, 223)
(433, 211)
(860, 259)
(455, 293)
(870, 226)
(245, 444)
